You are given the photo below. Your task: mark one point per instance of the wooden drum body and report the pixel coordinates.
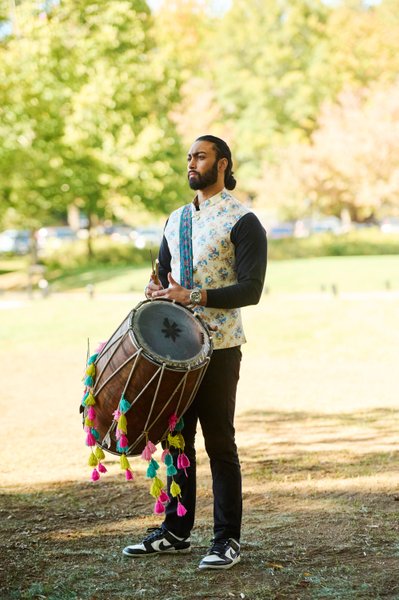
(155, 360)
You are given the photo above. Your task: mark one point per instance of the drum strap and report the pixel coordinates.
(186, 248)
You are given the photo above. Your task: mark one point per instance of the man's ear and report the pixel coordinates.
(222, 164)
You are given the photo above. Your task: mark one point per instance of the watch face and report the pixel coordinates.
(195, 296)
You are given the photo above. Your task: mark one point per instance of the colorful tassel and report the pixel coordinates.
(151, 471)
(91, 370)
(173, 420)
(171, 470)
(124, 462)
(88, 422)
(177, 441)
(128, 475)
(179, 425)
(159, 508)
(95, 433)
(122, 423)
(91, 413)
(95, 476)
(99, 453)
(168, 460)
(101, 468)
(100, 347)
(123, 441)
(90, 400)
(89, 381)
(175, 489)
(116, 414)
(124, 405)
(90, 439)
(183, 462)
(163, 497)
(165, 453)
(181, 510)
(156, 487)
(92, 359)
(93, 460)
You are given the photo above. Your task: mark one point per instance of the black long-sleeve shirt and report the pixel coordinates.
(250, 246)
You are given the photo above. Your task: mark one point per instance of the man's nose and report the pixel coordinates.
(191, 164)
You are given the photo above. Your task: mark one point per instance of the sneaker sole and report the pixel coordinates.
(156, 553)
(205, 566)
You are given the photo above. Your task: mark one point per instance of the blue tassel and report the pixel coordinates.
(89, 381)
(151, 471)
(84, 399)
(168, 460)
(95, 433)
(171, 470)
(124, 405)
(92, 359)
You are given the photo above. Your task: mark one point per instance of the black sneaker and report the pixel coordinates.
(223, 554)
(159, 541)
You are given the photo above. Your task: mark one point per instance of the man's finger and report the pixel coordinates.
(171, 280)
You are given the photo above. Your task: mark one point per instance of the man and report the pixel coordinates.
(227, 265)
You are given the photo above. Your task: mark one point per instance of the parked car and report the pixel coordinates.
(50, 238)
(148, 237)
(15, 241)
(390, 225)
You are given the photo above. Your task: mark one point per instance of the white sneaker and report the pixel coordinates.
(159, 541)
(223, 554)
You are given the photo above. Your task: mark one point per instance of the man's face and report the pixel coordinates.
(202, 165)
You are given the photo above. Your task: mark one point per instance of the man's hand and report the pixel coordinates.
(173, 292)
(152, 287)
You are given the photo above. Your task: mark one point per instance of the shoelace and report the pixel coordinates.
(153, 532)
(218, 547)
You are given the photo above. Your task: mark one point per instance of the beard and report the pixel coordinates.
(200, 182)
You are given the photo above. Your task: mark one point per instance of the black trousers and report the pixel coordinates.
(213, 406)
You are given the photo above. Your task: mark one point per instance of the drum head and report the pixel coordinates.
(170, 333)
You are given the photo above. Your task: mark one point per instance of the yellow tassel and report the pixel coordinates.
(175, 489)
(91, 370)
(177, 441)
(124, 462)
(93, 462)
(99, 453)
(122, 423)
(89, 422)
(156, 487)
(90, 401)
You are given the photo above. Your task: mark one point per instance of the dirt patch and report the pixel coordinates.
(320, 521)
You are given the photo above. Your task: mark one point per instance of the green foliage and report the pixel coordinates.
(355, 243)
(84, 108)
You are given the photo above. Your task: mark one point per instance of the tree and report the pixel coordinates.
(91, 101)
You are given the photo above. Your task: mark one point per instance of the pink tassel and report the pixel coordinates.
(95, 476)
(146, 454)
(123, 441)
(163, 497)
(99, 347)
(183, 462)
(152, 448)
(91, 413)
(165, 453)
(173, 421)
(101, 468)
(90, 440)
(159, 508)
(181, 511)
(128, 475)
(116, 414)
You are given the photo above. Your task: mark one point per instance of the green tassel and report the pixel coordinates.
(151, 471)
(179, 424)
(124, 462)
(156, 487)
(168, 460)
(177, 441)
(91, 370)
(154, 464)
(90, 400)
(93, 461)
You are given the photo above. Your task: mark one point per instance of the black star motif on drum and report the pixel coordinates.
(171, 329)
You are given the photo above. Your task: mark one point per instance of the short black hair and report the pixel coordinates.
(222, 151)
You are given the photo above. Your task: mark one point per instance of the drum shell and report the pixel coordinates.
(123, 367)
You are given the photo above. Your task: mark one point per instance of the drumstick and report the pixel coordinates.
(154, 273)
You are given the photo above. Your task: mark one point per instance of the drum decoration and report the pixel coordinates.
(138, 385)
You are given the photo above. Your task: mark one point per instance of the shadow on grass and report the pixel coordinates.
(331, 535)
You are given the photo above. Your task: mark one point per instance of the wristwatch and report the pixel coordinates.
(195, 296)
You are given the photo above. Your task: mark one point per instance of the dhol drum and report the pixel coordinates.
(154, 363)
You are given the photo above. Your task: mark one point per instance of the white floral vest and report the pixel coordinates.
(213, 260)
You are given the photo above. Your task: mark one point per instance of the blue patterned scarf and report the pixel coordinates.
(186, 248)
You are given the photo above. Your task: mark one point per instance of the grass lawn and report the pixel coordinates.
(317, 428)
